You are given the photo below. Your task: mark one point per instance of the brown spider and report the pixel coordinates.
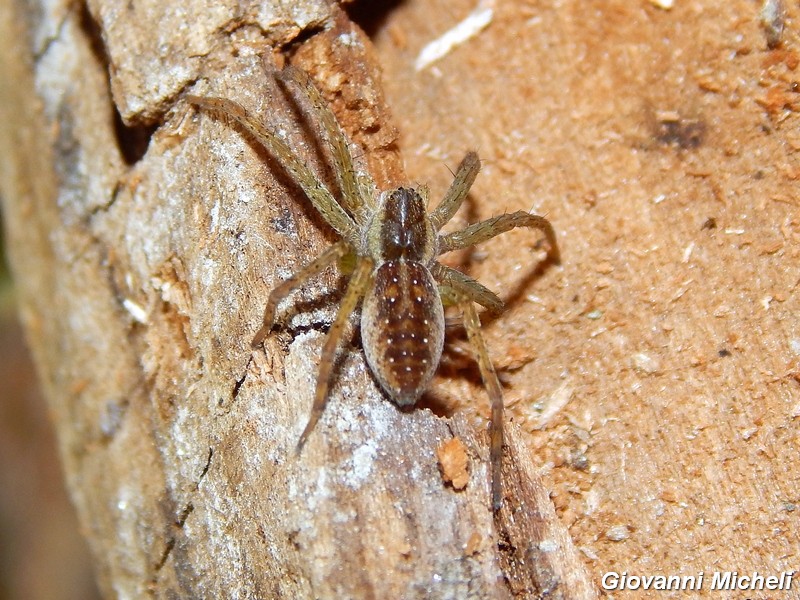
(393, 242)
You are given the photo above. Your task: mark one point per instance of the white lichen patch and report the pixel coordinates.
(361, 465)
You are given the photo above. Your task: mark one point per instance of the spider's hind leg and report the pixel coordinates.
(489, 375)
(337, 251)
(359, 282)
(455, 292)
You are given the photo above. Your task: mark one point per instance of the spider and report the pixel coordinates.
(392, 241)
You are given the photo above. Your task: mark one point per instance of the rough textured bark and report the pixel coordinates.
(144, 239)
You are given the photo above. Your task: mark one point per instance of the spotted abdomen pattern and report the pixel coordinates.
(402, 329)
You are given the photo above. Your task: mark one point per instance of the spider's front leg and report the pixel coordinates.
(462, 182)
(316, 191)
(354, 197)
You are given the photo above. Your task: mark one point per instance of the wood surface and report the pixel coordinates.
(652, 379)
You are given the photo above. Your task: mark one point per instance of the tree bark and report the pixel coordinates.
(145, 239)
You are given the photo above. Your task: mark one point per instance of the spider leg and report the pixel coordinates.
(337, 251)
(489, 376)
(486, 230)
(465, 176)
(353, 199)
(455, 286)
(317, 193)
(355, 290)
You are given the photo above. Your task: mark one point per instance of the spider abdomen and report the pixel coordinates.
(402, 328)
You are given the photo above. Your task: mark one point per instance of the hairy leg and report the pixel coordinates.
(337, 251)
(355, 290)
(461, 287)
(357, 204)
(486, 230)
(320, 196)
(489, 376)
(465, 176)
